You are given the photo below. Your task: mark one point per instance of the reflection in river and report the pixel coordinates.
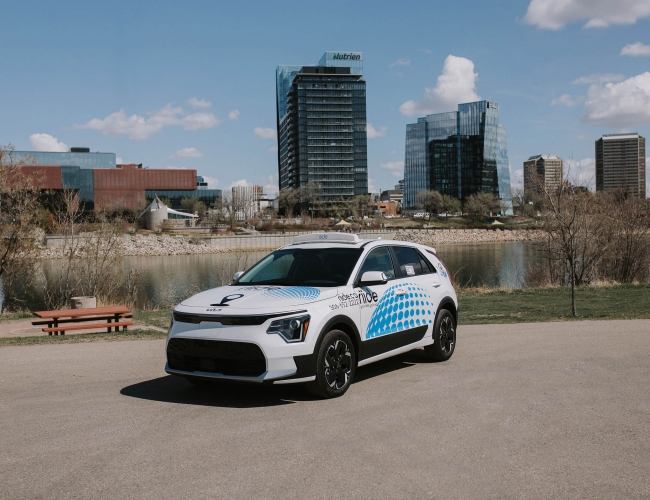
(166, 280)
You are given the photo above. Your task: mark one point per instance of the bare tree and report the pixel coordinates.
(193, 205)
(19, 209)
(310, 195)
(287, 200)
(481, 204)
(430, 200)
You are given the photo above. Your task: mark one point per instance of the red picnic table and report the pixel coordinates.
(110, 317)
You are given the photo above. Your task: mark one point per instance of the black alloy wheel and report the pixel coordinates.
(335, 366)
(444, 337)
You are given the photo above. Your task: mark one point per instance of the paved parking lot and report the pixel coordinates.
(546, 410)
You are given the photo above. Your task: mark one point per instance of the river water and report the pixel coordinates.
(166, 280)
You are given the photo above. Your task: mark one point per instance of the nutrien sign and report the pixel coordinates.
(349, 57)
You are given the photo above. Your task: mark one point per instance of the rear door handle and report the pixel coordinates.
(435, 285)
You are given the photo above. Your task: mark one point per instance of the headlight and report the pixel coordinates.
(290, 329)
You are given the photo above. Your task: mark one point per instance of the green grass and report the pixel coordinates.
(85, 337)
(553, 304)
(9, 316)
(157, 317)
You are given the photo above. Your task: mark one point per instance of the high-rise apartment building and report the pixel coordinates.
(620, 163)
(321, 123)
(543, 172)
(458, 153)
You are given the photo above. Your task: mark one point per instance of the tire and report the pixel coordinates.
(444, 337)
(336, 363)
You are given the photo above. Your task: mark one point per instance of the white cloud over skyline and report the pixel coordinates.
(636, 50)
(46, 142)
(394, 167)
(555, 14)
(400, 62)
(619, 105)
(137, 127)
(233, 115)
(456, 84)
(199, 103)
(374, 133)
(599, 78)
(265, 132)
(187, 153)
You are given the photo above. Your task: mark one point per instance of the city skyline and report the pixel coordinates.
(202, 97)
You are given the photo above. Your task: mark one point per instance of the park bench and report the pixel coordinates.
(58, 322)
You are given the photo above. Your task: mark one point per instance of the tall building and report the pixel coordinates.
(321, 123)
(246, 200)
(458, 153)
(620, 163)
(102, 184)
(543, 171)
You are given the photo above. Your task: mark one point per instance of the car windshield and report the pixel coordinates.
(304, 267)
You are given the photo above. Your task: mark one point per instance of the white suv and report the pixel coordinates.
(313, 311)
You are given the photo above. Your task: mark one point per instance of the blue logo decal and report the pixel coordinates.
(293, 292)
(401, 312)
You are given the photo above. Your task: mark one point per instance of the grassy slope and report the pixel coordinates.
(476, 307)
(553, 304)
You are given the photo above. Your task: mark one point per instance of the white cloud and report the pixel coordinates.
(555, 14)
(566, 100)
(212, 181)
(392, 153)
(635, 50)
(373, 133)
(265, 132)
(138, 127)
(233, 115)
(240, 182)
(172, 167)
(395, 167)
(270, 184)
(599, 78)
(371, 186)
(516, 178)
(45, 142)
(196, 103)
(456, 84)
(273, 149)
(400, 62)
(119, 160)
(187, 153)
(427, 51)
(581, 173)
(619, 105)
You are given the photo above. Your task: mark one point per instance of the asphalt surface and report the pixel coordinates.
(546, 410)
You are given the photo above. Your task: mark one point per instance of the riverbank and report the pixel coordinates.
(165, 244)
(432, 237)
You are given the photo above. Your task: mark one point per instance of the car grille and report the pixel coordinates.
(216, 356)
(228, 320)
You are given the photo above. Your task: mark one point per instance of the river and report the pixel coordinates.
(166, 280)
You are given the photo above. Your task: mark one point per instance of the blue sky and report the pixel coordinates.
(192, 84)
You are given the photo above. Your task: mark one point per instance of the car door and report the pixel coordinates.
(415, 291)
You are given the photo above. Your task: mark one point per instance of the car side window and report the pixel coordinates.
(379, 259)
(427, 267)
(408, 261)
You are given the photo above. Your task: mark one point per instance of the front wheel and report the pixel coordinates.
(444, 337)
(335, 366)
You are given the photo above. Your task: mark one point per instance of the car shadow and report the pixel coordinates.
(177, 390)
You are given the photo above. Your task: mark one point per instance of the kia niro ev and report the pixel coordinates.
(313, 311)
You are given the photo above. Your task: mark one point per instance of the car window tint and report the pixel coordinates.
(427, 267)
(408, 261)
(379, 260)
(274, 267)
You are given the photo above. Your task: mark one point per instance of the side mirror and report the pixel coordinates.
(237, 276)
(373, 278)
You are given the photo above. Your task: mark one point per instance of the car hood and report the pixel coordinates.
(260, 298)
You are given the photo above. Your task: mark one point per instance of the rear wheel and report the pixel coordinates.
(335, 366)
(444, 337)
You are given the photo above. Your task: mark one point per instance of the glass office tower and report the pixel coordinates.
(321, 123)
(458, 154)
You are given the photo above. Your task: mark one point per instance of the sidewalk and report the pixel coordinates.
(24, 328)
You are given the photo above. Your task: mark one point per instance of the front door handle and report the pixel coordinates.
(435, 285)
(400, 291)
